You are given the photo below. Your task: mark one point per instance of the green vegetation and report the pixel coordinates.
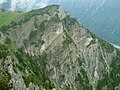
(3, 51)
(102, 58)
(4, 28)
(39, 43)
(106, 46)
(54, 19)
(112, 79)
(105, 82)
(115, 73)
(8, 41)
(4, 80)
(68, 21)
(67, 40)
(62, 78)
(6, 17)
(37, 70)
(79, 61)
(32, 36)
(41, 27)
(83, 80)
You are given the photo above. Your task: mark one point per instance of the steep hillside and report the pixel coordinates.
(47, 49)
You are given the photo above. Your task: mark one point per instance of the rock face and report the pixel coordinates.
(47, 49)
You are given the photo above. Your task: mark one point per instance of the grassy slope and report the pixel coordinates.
(7, 17)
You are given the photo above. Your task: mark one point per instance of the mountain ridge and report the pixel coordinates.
(48, 49)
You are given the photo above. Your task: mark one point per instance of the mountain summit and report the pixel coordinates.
(47, 49)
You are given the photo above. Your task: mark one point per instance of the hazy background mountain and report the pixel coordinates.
(101, 16)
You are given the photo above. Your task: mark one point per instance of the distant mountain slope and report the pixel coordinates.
(6, 17)
(47, 49)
